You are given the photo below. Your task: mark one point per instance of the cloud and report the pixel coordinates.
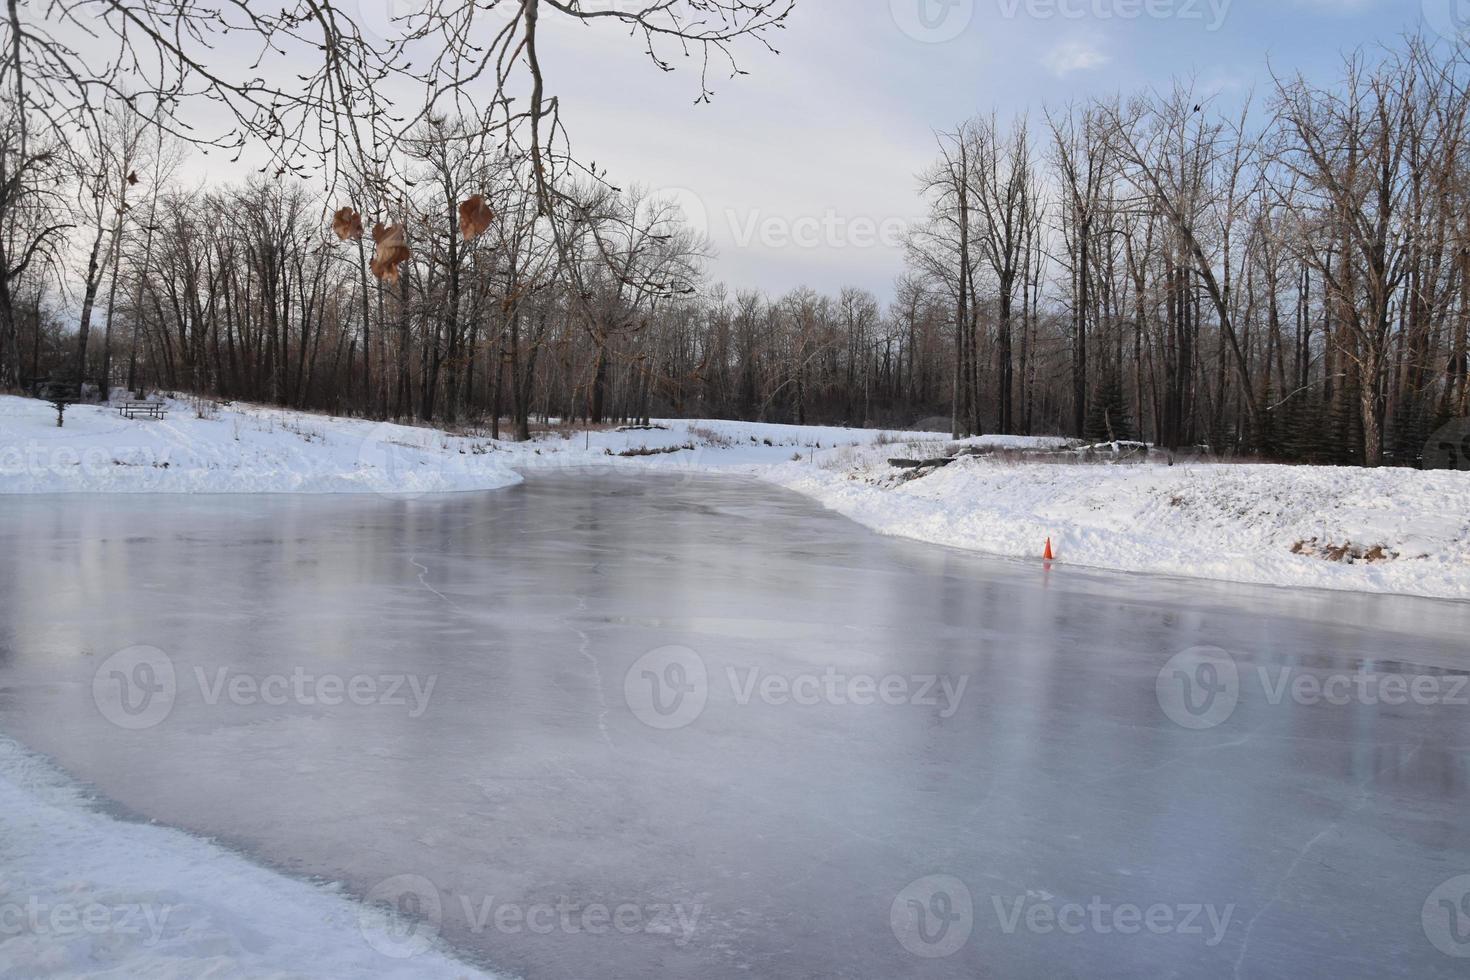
(1074, 56)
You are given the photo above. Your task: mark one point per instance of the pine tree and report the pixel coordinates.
(1108, 419)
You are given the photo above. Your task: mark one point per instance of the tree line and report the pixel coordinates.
(1291, 281)
(1287, 279)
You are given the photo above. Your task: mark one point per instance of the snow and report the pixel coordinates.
(245, 450)
(1231, 522)
(83, 894)
(1276, 525)
(252, 449)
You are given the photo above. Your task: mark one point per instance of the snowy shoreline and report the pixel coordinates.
(1394, 532)
(84, 894)
(1385, 531)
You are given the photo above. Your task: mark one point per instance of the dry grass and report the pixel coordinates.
(646, 451)
(840, 458)
(710, 437)
(204, 408)
(1347, 553)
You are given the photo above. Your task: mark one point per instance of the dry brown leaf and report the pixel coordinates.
(391, 251)
(474, 217)
(132, 177)
(347, 223)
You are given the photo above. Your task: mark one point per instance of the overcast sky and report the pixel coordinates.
(824, 141)
(803, 169)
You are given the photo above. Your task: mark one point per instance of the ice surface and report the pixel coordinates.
(791, 836)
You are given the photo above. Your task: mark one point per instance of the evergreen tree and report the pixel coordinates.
(1108, 419)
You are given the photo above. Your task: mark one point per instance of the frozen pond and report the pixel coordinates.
(651, 726)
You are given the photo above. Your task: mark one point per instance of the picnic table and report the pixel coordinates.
(134, 409)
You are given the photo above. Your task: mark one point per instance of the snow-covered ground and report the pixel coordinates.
(1388, 530)
(238, 450)
(1384, 530)
(83, 894)
(252, 449)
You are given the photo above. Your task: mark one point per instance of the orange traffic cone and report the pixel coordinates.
(1048, 556)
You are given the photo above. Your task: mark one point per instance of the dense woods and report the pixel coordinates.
(1287, 278)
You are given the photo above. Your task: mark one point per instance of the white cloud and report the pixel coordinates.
(1074, 56)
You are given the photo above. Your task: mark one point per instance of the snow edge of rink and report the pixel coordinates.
(85, 894)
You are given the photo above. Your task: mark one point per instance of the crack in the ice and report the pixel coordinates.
(1363, 797)
(423, 580)
(585, 649)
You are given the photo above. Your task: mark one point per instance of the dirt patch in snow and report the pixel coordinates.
(1347, 553)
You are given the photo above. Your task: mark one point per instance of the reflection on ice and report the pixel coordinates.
(813, 815)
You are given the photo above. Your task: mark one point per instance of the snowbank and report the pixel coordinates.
(244, 450)
(1385, 530)
(252, 449)
(86, 895)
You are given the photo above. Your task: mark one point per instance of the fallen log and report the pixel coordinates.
(919, 464)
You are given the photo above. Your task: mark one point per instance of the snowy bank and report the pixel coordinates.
(254, 449)
(231, 450)
(85, 895)
(1384, 530)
